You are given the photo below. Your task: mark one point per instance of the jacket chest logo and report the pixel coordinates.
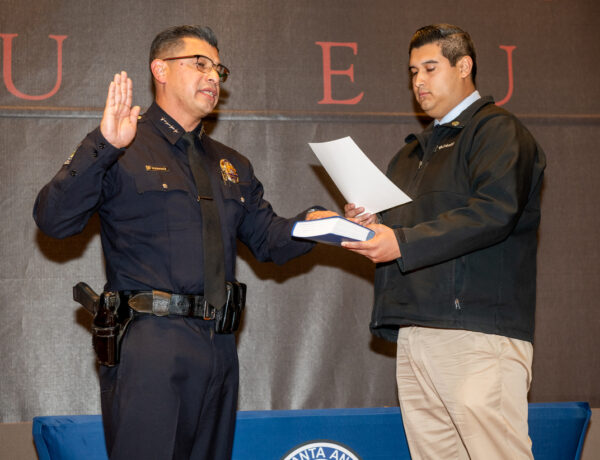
(444, 146)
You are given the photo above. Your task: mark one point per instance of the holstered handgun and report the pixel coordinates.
(109, 323)
(227, 318)
(112, 315)
(86, 296)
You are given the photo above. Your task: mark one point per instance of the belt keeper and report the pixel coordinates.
(209, 313)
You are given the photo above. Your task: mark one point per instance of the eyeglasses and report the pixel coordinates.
(205, 65)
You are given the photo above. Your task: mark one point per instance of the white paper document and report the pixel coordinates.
(357, 178)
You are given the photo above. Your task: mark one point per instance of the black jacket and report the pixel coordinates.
(469, 237)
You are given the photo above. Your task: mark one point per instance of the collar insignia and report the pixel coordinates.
(228, 172)
(169, 125)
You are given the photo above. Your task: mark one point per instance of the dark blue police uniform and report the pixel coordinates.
(174, 392)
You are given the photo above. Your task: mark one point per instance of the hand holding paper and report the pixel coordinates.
(358, 215)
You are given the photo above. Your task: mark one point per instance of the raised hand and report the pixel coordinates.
(119, 121)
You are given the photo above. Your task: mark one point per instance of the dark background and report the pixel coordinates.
(305, 341)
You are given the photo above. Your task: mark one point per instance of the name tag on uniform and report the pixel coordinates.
(156, 168)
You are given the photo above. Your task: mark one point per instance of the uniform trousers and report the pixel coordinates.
(463, 394)
(174, 393)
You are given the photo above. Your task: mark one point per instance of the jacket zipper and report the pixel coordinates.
(415, 179)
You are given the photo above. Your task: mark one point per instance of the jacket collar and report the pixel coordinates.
(169, 128)
(463, 118)
(458, 123)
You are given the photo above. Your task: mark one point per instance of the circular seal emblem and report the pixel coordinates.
(321, 450)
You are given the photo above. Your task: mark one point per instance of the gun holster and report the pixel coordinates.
(228, 317)
(108, 328)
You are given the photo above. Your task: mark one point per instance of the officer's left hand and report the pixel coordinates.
(320, 215)
(383, 247)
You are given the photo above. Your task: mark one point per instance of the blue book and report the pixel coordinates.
(331, 230)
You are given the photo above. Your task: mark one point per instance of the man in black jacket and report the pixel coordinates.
(456, 274)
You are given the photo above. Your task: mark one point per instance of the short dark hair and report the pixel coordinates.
(172, 37)
(454, 42)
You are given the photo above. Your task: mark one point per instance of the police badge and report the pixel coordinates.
(228, 172)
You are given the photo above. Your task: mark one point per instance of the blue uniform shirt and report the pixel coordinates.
(151, 220)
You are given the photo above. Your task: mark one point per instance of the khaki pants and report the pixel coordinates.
(463, 394)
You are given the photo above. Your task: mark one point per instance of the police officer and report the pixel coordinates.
(174, 392)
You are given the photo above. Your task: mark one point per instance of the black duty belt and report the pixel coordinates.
(161, 303)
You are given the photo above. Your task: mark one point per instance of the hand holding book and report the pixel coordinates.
(383, 247)
(360, 182)
(377, 242)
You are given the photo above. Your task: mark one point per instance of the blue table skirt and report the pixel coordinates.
(557, 431)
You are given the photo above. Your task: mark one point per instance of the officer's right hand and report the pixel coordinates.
(119, 121)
